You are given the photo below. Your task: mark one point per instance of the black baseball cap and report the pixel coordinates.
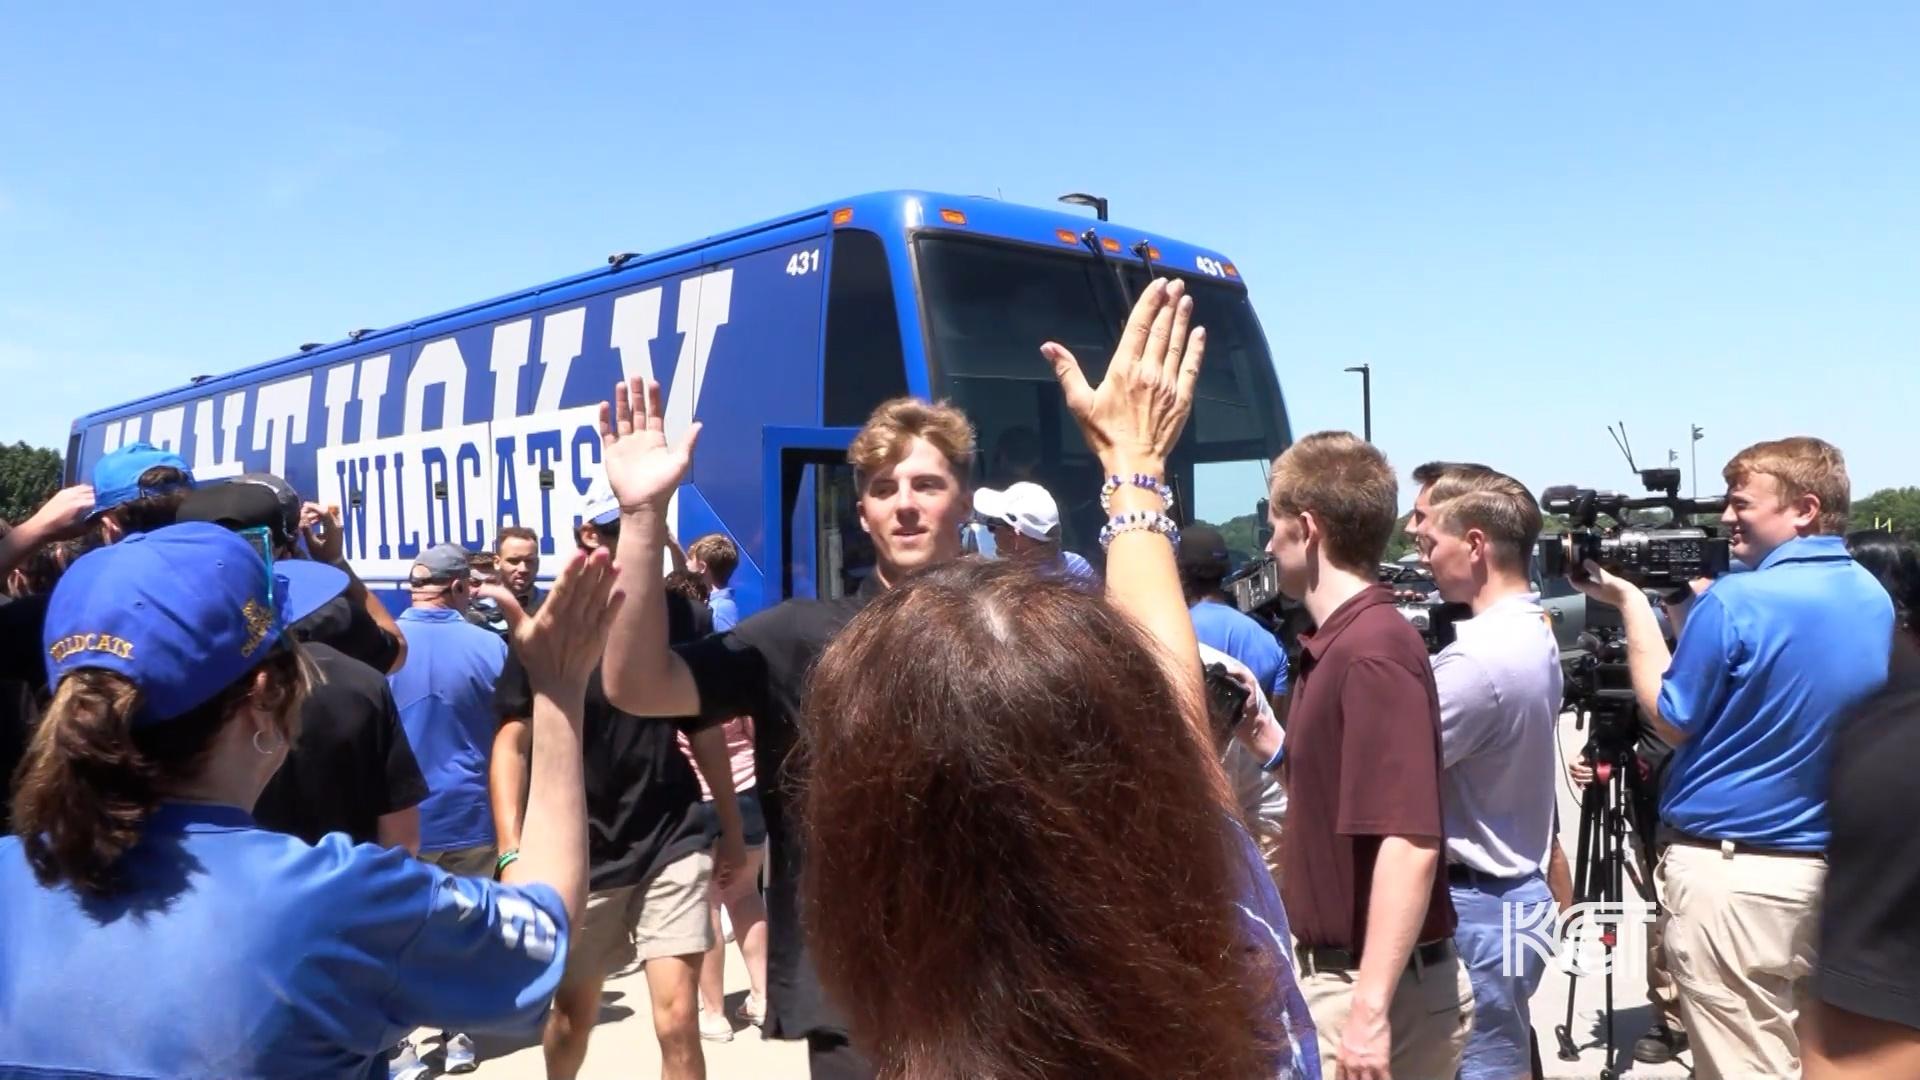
(249, 501)
(1203, 554)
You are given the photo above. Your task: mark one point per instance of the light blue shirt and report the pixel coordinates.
(239, 952)
(725, 611)
(445, 695)
(1239, 636)
(1078, 570)
(1500, 690)
(1766, 664)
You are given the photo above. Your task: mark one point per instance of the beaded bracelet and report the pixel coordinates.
(1139, 480)
(1139, 521)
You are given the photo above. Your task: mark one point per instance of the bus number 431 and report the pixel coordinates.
(803, 262)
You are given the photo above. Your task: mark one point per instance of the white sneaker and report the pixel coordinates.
(754, 1011)
(461, 1057)
(405, 1064)
(715, 1028)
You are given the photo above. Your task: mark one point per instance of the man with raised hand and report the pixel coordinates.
(911, 461)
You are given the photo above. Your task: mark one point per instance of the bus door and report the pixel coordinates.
(818, 549)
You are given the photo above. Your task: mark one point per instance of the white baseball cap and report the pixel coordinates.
(1025, 506)
(602, 507)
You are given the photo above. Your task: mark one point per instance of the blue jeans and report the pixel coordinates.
(1499, 1046)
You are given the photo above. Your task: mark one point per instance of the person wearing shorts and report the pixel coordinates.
(651, 852)
(747, 910)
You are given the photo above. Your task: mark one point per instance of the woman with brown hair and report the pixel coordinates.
(201, 944)
(1024, 855)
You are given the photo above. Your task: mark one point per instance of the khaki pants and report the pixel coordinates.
(465, 861)
(1739, 932)
(1431, 1014)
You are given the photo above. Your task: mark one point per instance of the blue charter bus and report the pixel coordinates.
(780, 338)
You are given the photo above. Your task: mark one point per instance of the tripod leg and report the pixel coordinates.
(1589, 851)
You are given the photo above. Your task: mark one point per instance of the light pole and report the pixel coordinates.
(1694, 469)
(1081, 198)
(1366, 397)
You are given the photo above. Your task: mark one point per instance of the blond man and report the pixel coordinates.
(911, 461)
(1764, 665)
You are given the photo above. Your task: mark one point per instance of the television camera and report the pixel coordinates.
(1664, 558)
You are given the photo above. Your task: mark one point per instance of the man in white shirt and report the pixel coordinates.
(1500, 692)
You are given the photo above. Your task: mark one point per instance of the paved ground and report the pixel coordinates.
(623, 1045)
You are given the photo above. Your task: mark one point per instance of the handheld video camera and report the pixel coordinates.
(1652, 558)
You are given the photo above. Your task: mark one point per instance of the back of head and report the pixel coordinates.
(139, 487)
(689, 585)
(1895, 561)
(1801, 465)
(152, 647)
(1203, 560)
(1349, 488)
(1497, 505)
(718, 554)
(1015, 868)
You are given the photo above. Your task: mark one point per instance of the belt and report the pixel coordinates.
(1315, 959)
(1462, 874)
(1733, 847)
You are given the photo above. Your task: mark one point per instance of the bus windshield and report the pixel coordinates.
(988, 307)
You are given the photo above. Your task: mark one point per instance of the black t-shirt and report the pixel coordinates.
(23, 681)
(352, 763)
(759, 669)
(1870, 916)
(347, 627)
(643, 800)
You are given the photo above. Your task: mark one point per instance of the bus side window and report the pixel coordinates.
(864, 363)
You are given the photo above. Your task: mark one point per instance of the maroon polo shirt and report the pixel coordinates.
(1362, 762)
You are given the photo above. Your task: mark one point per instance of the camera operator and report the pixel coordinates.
(1499, 683)
(1764, 665)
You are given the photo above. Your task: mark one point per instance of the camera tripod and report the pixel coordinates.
(1609, 816)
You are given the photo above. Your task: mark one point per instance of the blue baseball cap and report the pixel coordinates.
(181, 612)
(116, 477)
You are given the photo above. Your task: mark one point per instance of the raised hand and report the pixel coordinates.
(63, 517)
(643, 469)
(320, 527)
(1133, 418)
(560, 645)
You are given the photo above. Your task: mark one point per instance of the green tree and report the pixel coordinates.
(1893, 509)
(28, 475)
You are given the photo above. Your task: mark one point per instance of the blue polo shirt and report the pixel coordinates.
(241, 952)
(445, 695)
(1239, 636)
(1766, 665)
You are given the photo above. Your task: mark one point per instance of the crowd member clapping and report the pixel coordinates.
(140, 886)
(1024, 858)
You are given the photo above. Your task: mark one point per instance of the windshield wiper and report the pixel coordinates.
(1091, 238)
(1145, 251)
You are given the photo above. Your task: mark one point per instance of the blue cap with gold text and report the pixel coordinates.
(181, 612)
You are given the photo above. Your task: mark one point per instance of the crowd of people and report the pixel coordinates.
(1008, 817)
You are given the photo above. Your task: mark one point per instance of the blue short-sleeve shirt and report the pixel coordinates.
(1766, 664)
(1239, 636)
(240, 952)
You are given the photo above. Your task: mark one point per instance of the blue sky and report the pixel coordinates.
(1531, 221)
